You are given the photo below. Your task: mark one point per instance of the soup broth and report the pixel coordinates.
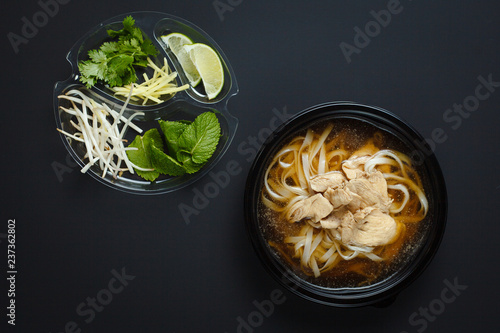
(324, 148)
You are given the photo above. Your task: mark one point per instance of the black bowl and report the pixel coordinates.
(383, 292)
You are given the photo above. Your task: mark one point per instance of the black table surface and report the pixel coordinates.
(93, 259)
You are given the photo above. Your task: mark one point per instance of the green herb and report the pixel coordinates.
(199, 139)
(187, 162)
(189, 145)
(142, 156)
(114, 61)
(172, 131)
(166, 164)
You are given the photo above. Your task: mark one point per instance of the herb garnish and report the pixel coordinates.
(114, 61)
(189, 145)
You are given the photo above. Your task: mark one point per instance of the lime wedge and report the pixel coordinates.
(175, 41)
(209, 66)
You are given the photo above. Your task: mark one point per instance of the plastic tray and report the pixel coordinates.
(186, 104)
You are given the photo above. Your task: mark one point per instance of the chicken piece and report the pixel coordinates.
(339, 197)
(354, 166)
(362, 213)
(372, 191)
(370, 227)
(337, 218)
(379, 182)
(314, 208)
(333, 179)
(356, 203)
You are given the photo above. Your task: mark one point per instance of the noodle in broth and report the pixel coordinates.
(318, 253)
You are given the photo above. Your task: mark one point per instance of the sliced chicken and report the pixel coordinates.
(371, 192)
(337, 218)
(370, 227)
(314, 208)
(362, 213)
(333, 179)
(339, 197)
(354, 166)
(379, 183)
(353, 205)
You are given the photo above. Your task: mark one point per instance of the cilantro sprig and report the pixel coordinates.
(114, 62)
(189, 147)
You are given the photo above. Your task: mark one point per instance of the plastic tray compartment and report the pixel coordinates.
(184, 105)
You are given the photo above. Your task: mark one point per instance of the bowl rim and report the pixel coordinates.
(383, 292)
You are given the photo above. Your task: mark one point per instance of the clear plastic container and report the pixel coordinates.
(184, 105)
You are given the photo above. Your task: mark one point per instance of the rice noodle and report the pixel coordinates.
(287, 181)
(406, 194)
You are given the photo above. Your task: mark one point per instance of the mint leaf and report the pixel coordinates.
(165, 164)
(187, 162)
(142, 156)
(200, 139)
(190, 145)
(172, 130)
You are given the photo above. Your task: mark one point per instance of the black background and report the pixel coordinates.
(204, 276)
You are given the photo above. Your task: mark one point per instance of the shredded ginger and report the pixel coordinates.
(160, 84)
